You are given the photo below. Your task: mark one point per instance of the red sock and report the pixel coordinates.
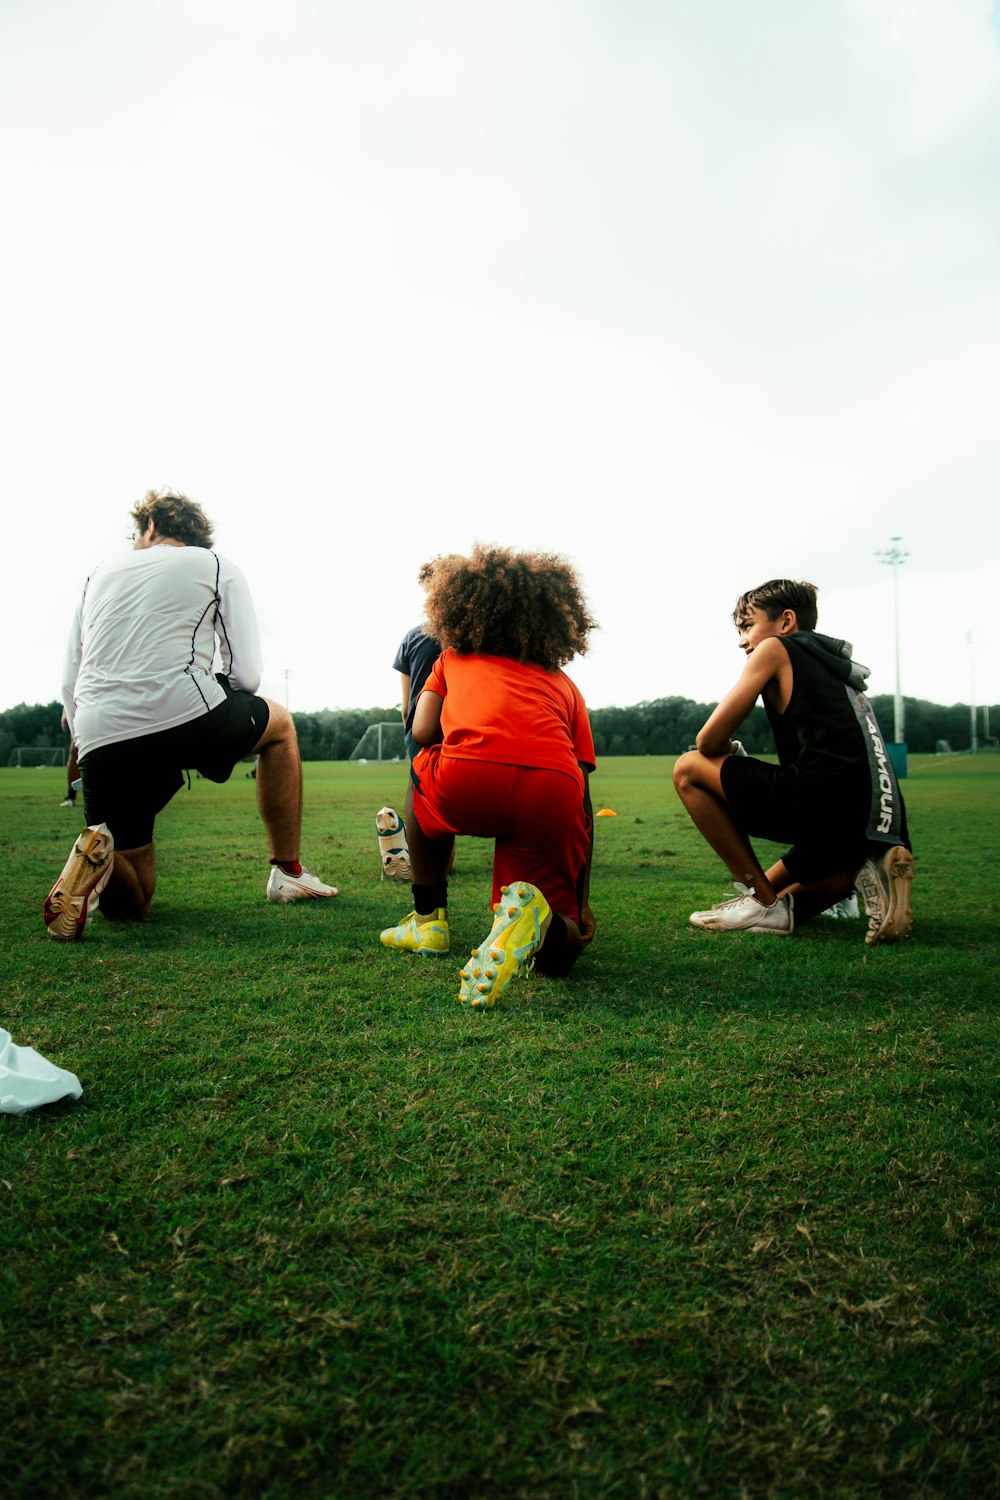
(290, 866)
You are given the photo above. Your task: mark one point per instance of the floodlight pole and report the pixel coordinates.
(288, 704)
(894, 557)
(973, 738)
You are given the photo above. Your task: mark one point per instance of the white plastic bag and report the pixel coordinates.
(27, 1079)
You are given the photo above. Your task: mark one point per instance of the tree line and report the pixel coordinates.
(660, 726)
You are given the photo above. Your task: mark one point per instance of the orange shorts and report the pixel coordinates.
(536, 816)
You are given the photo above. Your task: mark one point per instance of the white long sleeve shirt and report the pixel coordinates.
(142, 649)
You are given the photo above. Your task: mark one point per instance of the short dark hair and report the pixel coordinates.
(780, 594)
(525, 605)
(175, 516)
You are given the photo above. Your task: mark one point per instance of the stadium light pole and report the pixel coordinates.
(894, 557)
(973, 738)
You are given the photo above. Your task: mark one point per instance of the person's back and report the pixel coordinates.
(507, 753)
(147, 641)
(509, 712)
(144, 705)
(818, 731)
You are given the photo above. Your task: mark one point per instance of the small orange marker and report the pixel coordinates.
(606, 812)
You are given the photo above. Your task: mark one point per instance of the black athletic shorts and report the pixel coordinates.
(823, 822)
(126, 784)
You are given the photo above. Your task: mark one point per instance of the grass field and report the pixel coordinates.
(717, 1216)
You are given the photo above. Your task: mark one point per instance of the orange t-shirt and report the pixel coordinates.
(513, 713)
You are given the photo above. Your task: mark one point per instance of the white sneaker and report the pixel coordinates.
(848, 907)
(392, 846)
(282, 887)
(744, 913)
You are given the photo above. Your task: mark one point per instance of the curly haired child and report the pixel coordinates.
(507, 755)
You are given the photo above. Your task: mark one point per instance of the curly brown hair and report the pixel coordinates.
(525, 605)
(175, 516)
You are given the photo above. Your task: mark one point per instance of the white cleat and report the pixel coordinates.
(282, 887)
(73, 899)
(392, 847)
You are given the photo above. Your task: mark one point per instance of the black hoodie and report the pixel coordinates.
(829, 735)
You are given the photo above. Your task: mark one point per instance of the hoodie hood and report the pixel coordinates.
(835, 655)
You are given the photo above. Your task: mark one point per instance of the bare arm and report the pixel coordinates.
(236, 630)
(404, 681)
(71, 666)
(427, 718)
(764, 664)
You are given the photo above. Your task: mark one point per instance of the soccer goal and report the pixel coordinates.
(380, 742)
(37, 755)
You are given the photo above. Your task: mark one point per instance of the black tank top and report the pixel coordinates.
(818, 734)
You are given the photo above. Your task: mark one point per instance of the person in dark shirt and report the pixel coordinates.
(833, 796)
(418, 651)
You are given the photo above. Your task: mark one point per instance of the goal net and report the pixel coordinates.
(37, 755)
(380, 742)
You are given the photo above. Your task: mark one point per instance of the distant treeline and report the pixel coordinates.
(663, 726)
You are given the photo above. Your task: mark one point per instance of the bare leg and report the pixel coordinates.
(430, 859)
(698, 781)
(279, 784)
(129, 891)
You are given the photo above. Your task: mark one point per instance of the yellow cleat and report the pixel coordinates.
(513, 941)
(422, 937)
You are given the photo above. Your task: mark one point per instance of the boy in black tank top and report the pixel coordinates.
(833, 797)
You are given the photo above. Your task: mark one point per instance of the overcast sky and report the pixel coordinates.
(696, 292)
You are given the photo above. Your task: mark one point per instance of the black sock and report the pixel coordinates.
(552, 958)
(427, 898)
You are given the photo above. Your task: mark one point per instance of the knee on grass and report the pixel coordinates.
(129, 893)
(560, 949)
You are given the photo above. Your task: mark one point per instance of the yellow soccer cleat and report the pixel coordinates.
(515, 937)
(421, 936)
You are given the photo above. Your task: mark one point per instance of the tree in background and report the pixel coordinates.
(659, 726)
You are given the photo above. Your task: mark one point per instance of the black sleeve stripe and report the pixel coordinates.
(214, 604)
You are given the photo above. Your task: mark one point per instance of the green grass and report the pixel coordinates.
(716, 1216)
